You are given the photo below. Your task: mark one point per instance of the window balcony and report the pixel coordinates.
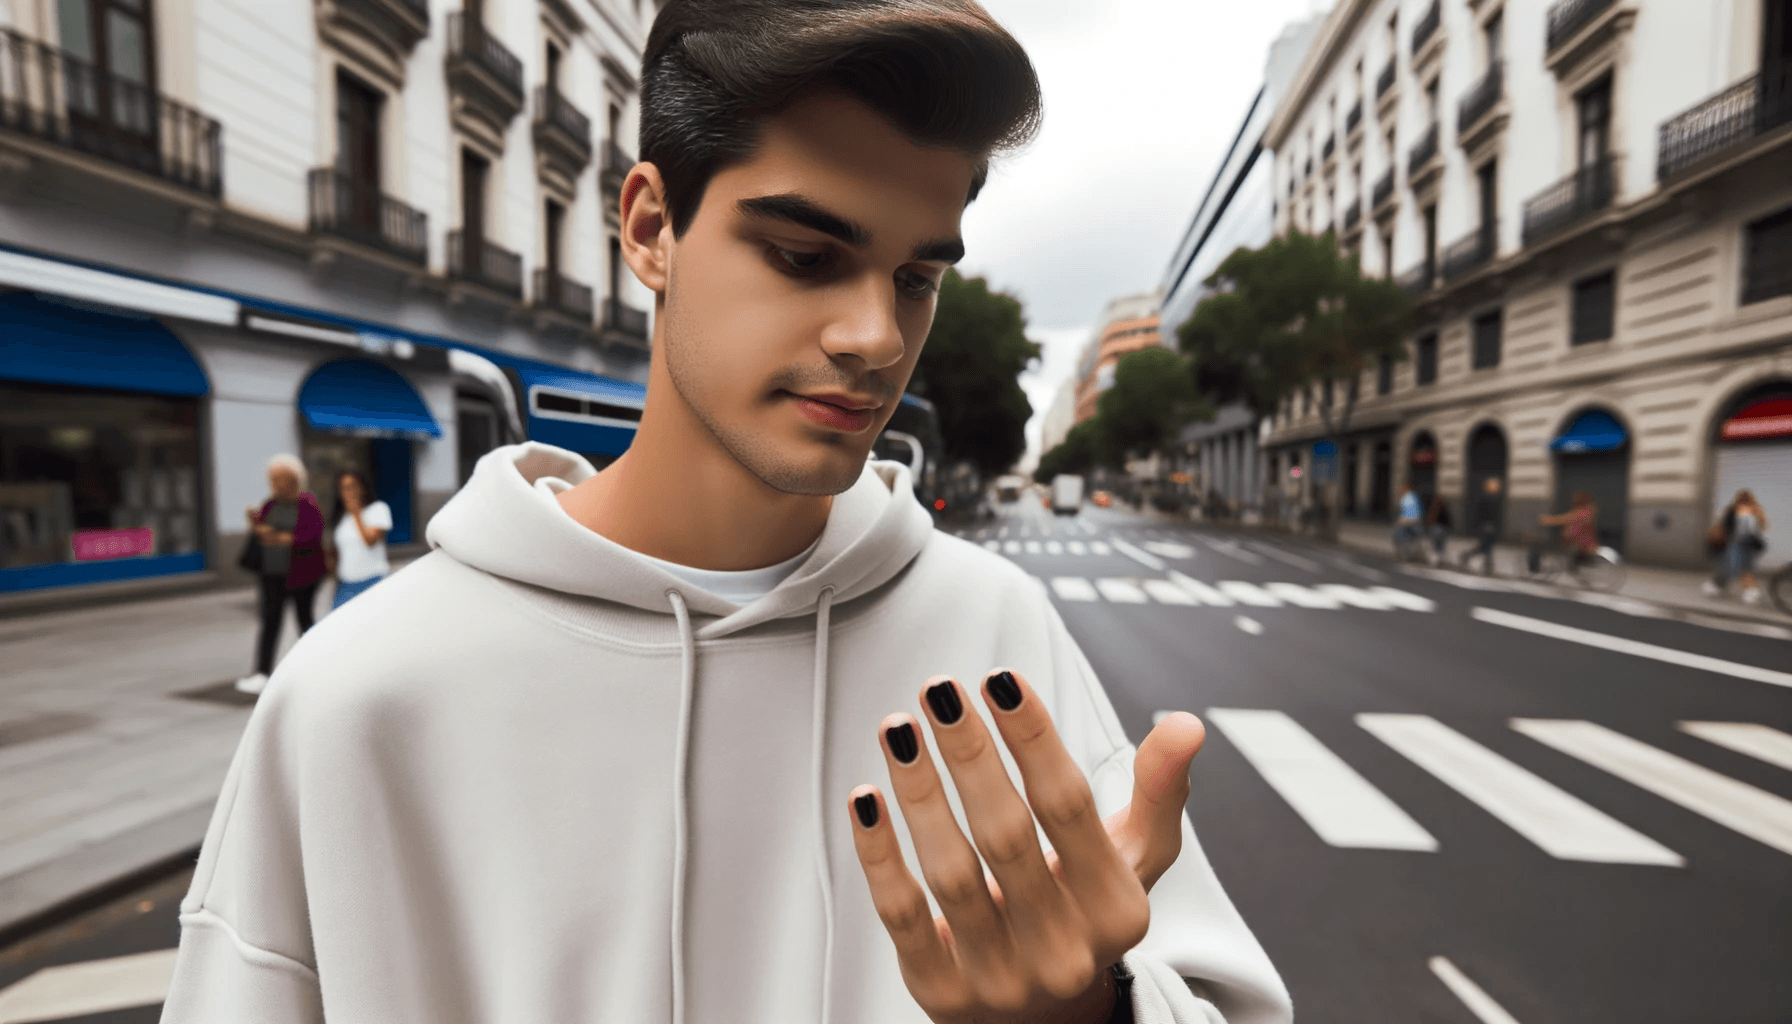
(1329, 150)
(1476, 249)
(1571, 200)
(1427, 27)
(617, 164)
(1567, 18)
(1718, 125)
(563, 295)
(562, 135)
(625, 320)
(1421, 155)
(1384, 192)
(477, 260)
(1418, 280)
(1353, 219)
(1353, 121)
(51, 95)
(356, 210)
(1385, 80)
(384, 31)
(485, 78)
(1480, 100)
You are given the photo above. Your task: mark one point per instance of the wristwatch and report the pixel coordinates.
(1122, 1013)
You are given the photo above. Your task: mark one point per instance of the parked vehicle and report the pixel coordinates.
(1067, 494)
(1008, 488)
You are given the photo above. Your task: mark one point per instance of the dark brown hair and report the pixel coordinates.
(943, 72)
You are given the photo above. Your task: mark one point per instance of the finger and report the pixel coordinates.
(1002, 824)
(901, 904)
(948, 863)
(1152, 832)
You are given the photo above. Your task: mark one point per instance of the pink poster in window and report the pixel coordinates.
(95, 545)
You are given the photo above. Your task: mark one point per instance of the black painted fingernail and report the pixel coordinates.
(902, 743)
(866, 806)
(1004, 691)
(943, 699)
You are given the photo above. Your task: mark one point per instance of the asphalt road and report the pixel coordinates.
(1559, 874)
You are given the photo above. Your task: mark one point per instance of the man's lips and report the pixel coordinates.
(836, 412)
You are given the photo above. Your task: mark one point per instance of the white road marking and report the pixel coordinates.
(1003, 532)
(1478, 1002)
(1282, 556)
(1098, 548)
(1076, 547)
(1169, 549)
(1402, 599)
(1201, 591)
(1363, 571)
(1231, 550)
(1356, 597)
(993, 545)
(1755, 813)
(1249, 625)
(1166, 592)
(95, 986)
(1302, 597)
(1148, 561)
(1073, 588)
(1636, 647)
(1032, 547)
(1757, 741)
(1121, 591)
(1249, 593)
(1565, 826)
(1012, 547)
(1089, 528)
(1337, 803)
(1053, 547)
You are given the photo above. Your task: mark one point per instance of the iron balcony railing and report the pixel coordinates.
(563, 294)
(1481, 97)
(1384, 190)
(1579, 195)
(357, 210)
(625, 319)
(1474, 250)
(1330, 147)
(1353, 119)
(1427, 26)
(1418, 280)
(1568, 17)
(470, 40)
(1733, 116)
(553, 109)
(617, 161)
(472, 258)
(1353, 215)
(1385, 80)
(53, 95)
(1422, 151)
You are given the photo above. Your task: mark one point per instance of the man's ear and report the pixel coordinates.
(646, 227)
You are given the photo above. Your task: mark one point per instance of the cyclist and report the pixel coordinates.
(1580, 529)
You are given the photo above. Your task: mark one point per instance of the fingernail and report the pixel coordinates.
(1004, 690)
(866, 806)
(943, 699)
(902, 743)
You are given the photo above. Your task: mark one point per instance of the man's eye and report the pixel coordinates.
(916, 286)
(803, 263)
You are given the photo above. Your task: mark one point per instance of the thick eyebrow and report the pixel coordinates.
(804, 212)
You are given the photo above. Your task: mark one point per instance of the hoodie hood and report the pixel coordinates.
(507, 521)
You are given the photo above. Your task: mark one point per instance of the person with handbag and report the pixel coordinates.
(1747, 540)
(286, 550)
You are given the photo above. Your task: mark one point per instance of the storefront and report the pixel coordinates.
(100, 427)
(362, 415)
(1753, 451)
(1593, 455)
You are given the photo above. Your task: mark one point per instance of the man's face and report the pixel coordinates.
(798, 300)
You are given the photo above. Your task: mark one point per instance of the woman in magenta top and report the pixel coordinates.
(1580, 524)
(290, 527)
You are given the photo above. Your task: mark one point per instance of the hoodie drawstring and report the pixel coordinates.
(687, 641)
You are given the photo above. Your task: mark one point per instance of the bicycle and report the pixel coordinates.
(1603, 570)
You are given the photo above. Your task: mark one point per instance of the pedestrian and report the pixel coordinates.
(1486, 519)
(679, 740)
(1747, 539)
(1440, 525)
(1717, 547)
(359, 524)
(288, 527)
(1407, 524)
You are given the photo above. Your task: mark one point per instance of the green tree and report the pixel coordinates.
(1080, 451)
(1153, 396)
(1291, 315)
(970, 370)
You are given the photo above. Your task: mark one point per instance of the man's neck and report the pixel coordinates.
(677, 495)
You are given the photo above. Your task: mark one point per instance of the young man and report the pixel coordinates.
(612, 751)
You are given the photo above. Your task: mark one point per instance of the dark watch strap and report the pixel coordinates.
(1122, 994)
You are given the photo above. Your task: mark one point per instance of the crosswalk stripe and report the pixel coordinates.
(1073, 588)
(1478, 1001)
(1302, 597)
(1053, 547)
(1149, 561)
(1565, 826)
(1231, 550)
(1636, 647)
(1003, 532)
(1249, 625)
(1402, 599)
(1032, 547)
(1169, 549)
(1735, 805)
(1098, 548)
(993, 545)
(1249, 593)
(1355, 597)
(1201, 591)
(1012, 547)
(1757, 741)
(1337, 803)
(1121, 591)
(1076, 547)
(91, 987)
(1282, 556)
(1165, 592)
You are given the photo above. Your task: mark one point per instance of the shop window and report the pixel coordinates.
(1426, 359)
(1595, 301)
(1767, 258)
(1488, 330)
(89, 476)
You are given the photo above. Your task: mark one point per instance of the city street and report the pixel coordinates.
(1420, 804)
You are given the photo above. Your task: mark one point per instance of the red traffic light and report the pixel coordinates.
(939, 504)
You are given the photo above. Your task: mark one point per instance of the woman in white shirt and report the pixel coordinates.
(359, 524)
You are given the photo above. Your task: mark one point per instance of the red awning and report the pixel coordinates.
(1770, 417)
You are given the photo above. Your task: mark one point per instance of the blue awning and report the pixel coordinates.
(53, 341)
(1592, 431)
(581, 412)
(360, 396)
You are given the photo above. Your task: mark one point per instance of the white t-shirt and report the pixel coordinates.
(743, 586)
(355, 561)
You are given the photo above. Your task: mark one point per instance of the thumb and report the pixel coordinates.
(1160, 789)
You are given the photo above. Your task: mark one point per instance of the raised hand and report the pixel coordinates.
(1032, 943)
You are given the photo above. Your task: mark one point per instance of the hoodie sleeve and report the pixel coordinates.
(245, 946)
(1199, 962)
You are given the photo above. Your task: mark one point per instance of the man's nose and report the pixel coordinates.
(865, 327)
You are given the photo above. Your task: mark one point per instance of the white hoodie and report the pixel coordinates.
(533, 779)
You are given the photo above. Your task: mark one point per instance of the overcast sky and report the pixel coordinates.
(1142, 97)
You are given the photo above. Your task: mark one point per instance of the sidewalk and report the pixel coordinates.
(117, 723)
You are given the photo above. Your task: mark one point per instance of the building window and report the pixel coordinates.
(1487, 340)
(553, 227)
(1426, 359)
(1594, 109)
(1306, 401)
(1384, 375)
(358, 152)
(1594, 300)
(1767, 255)
(1488, 177)
(116, 40)
(1494, 33)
